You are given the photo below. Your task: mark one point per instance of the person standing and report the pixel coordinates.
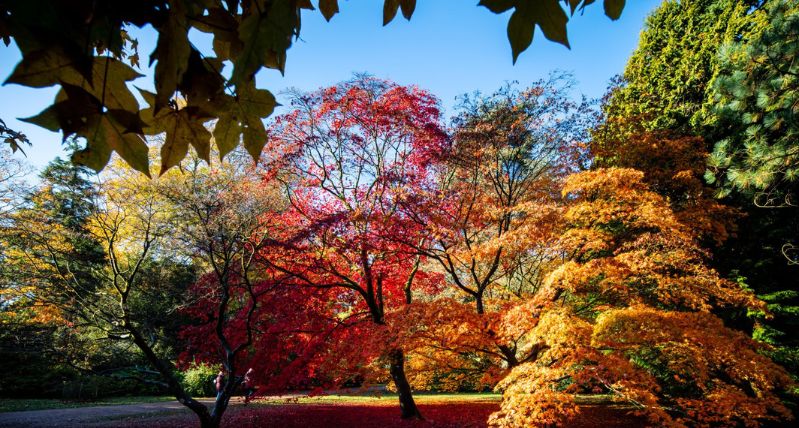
(220, 384)
(249, 385)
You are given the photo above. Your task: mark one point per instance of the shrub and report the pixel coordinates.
(198, 380)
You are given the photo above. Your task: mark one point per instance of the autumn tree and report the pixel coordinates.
(686, 89)
(290, 327)
(47, 240)
(674, 167)
(72, 253)
(130, 292)
(490, 222)
(355, 151)
(509, 150)
(631, 315)
(12, 182)
(29, 332)
(221, 225)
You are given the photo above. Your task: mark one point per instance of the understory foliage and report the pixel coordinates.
(630, 315)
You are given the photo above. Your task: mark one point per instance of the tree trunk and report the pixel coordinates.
(479, 299)
(397, 370)
(165, 368)
(209, 423)
(509, 355)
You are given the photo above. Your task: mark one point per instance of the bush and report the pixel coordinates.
(198, 380)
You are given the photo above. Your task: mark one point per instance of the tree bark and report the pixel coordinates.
(397, 370)
(199, 409)
(510, 355)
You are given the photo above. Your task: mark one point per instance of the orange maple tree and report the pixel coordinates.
(673, 165)
(630, 317)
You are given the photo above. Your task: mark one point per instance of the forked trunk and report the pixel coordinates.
(209, 423)
(397, 370)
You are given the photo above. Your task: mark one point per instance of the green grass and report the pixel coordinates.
(388, 398)
(13, 405)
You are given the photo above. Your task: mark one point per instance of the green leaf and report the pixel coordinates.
(408, 7)
(548, 14)
(328, 8)
(520, 33)
(552, 20)
(79, 112)
(227, 134)
(108, 83)
(254, 135)
(47, 119)
(131, 122)
(74, 109)
(266, 36)
(245, 118)
(224, 27)
(172, 52)
(497, 6)
(105, 135)
(46, 68)
(390, 8)
(42, 68)
(256, 103)
(613, 8)
(183, 129)
(202, 84)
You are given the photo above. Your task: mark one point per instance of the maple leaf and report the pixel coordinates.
(106, 134)
(548, 15)
(243, 117)
(266, 34)
(390, 8)
(328, 8)
(108, 76)
(613, 8)
(224, 27)
(172, 52)
(77, 111)
(183, 126)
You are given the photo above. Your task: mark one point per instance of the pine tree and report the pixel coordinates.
(757, 96)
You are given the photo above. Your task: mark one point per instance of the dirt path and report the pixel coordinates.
(89, 416)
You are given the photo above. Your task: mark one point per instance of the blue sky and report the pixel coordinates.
(448, 48)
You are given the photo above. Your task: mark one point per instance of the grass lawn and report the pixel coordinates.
(387, 399)
(339, 411)
(14, 405)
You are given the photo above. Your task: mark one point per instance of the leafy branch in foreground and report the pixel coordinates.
(83, 46)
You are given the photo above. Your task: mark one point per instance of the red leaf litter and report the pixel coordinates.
(460, 415)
